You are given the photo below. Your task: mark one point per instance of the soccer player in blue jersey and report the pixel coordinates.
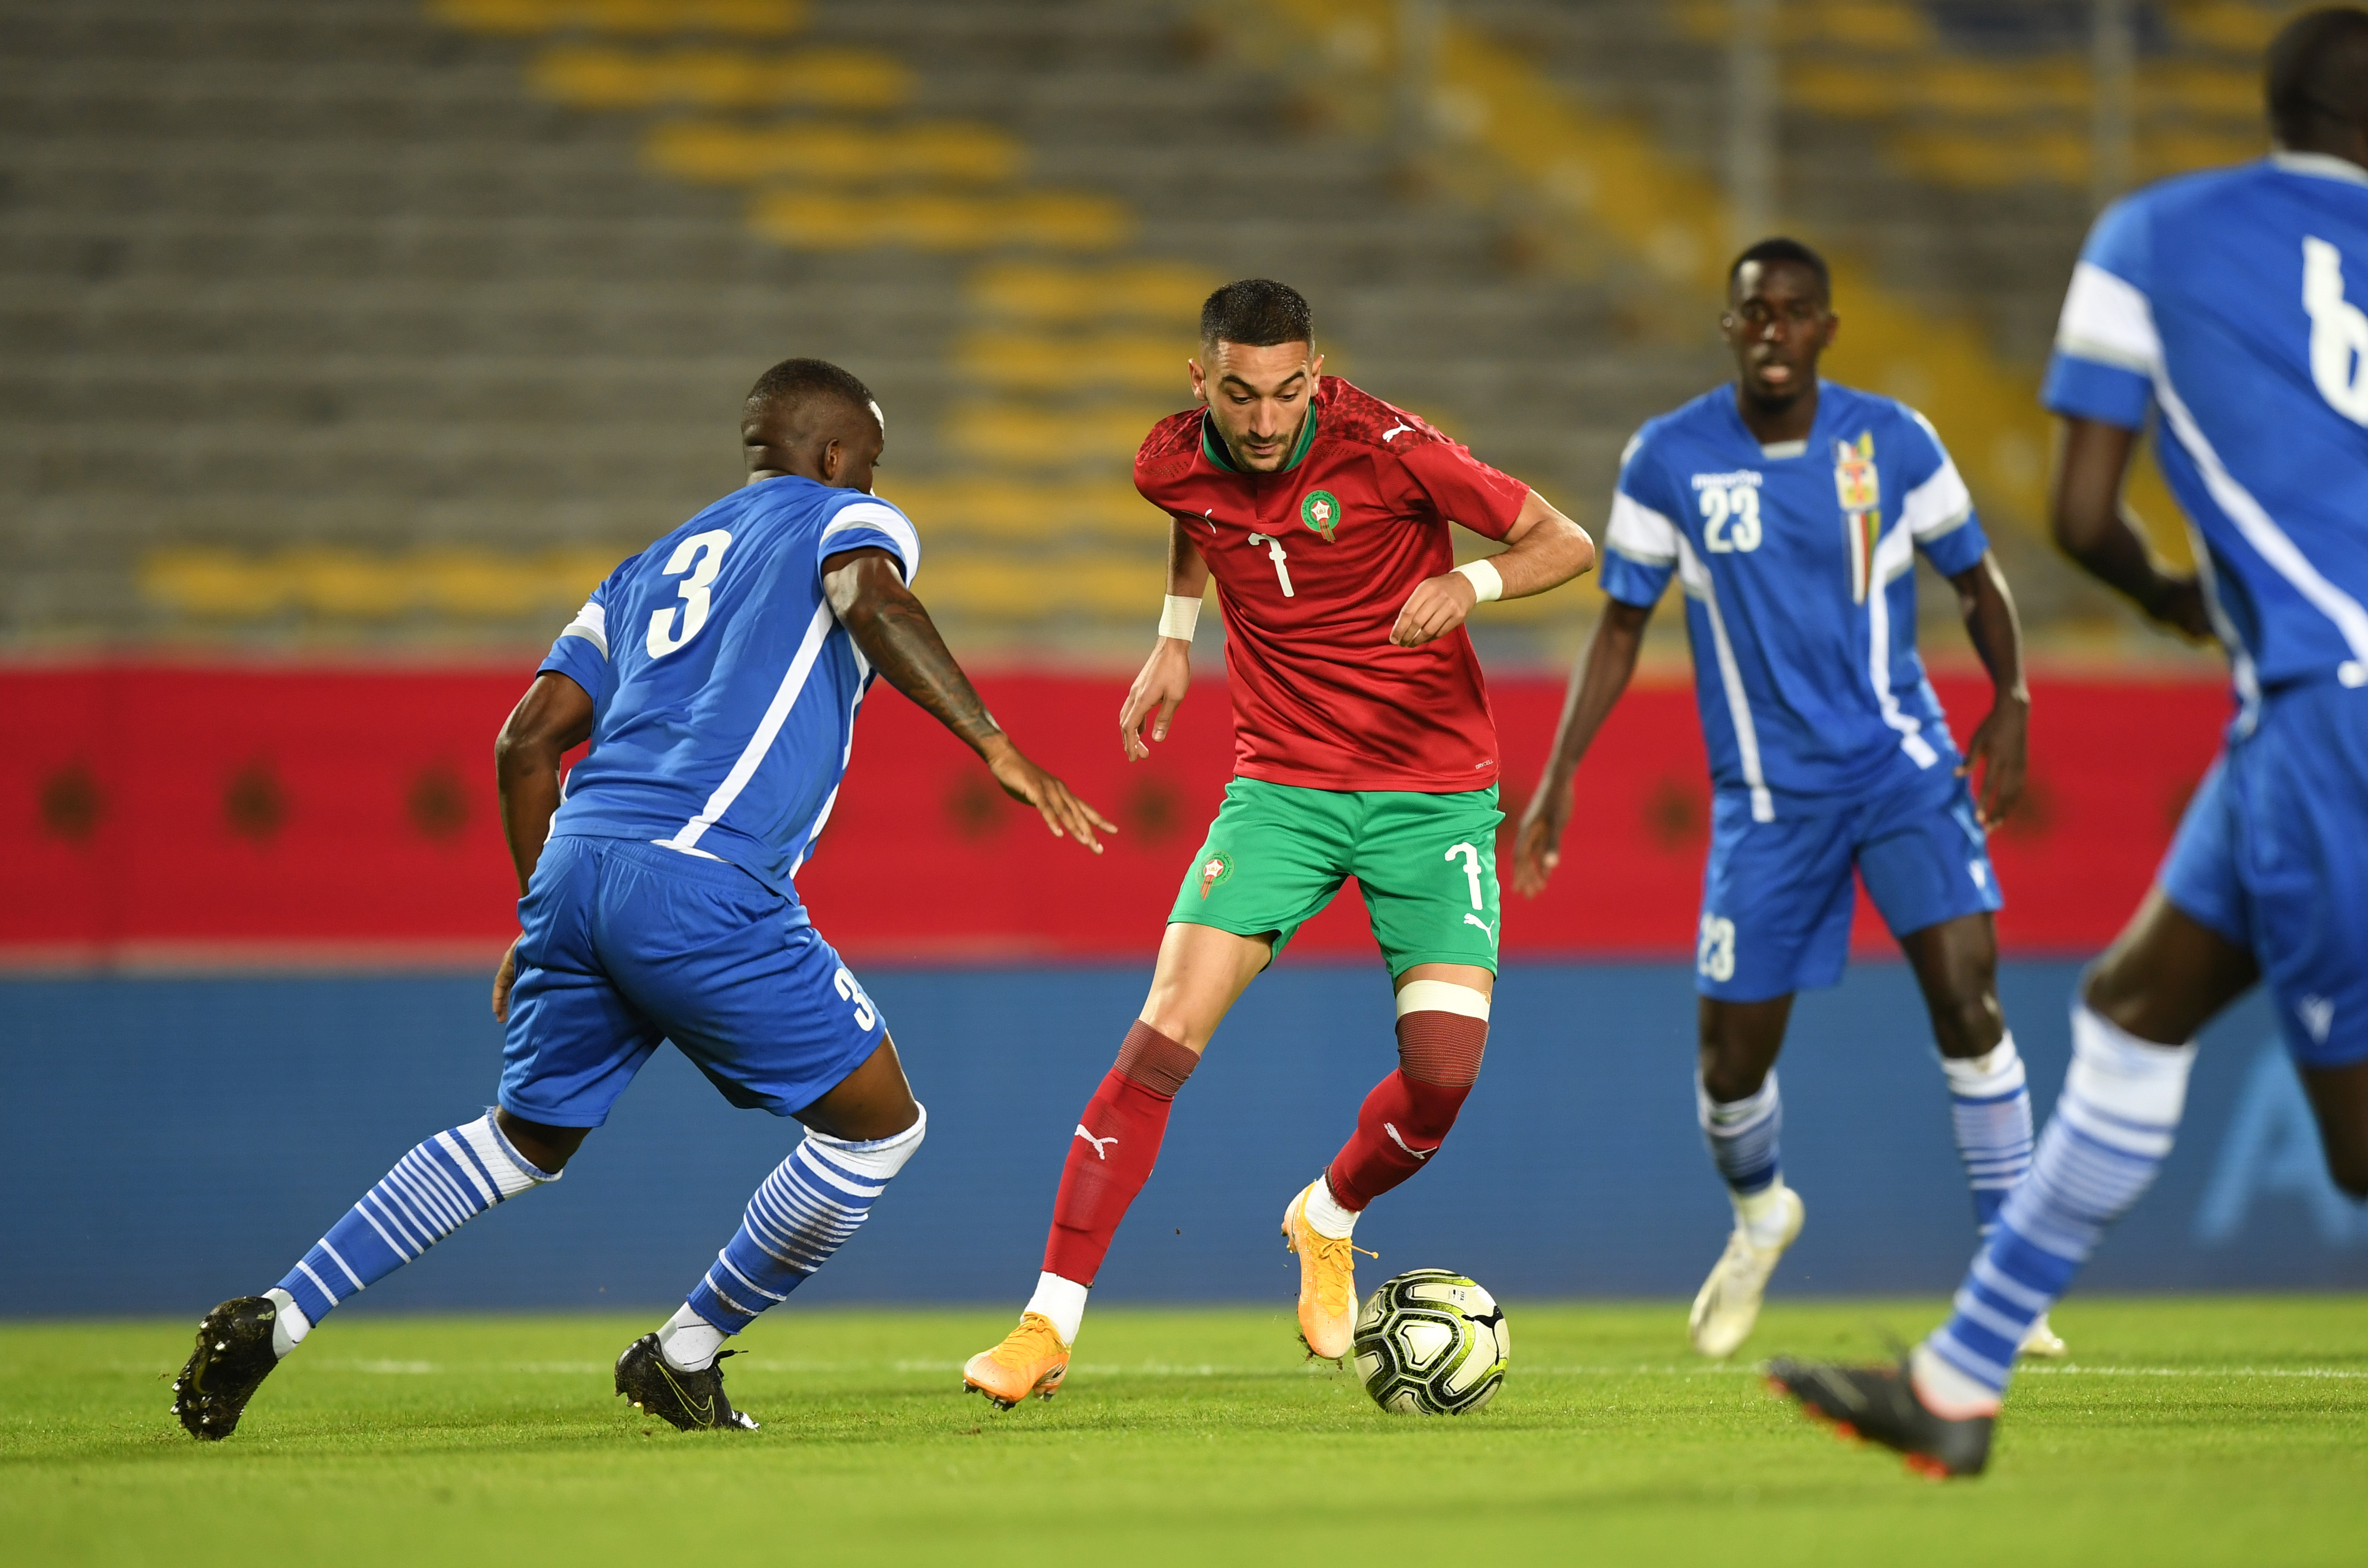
(1792, 510)
(717, 675)
(2229, 305)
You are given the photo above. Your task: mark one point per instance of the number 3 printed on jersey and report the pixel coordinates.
(1730, 517)
(702, 555)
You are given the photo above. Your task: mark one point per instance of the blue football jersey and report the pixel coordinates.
(723, 688)
(2232, 303)
(1797, 564)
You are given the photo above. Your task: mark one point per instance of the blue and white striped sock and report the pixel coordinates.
(2110, 1134)
(806, 1211)
(1990, 1104)
(452, 1178)
(1742, 1134)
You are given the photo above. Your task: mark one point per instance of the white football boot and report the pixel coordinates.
(2044, 1341)
(1729, 1302)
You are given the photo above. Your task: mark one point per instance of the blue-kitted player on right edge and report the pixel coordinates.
(1792, 510)
(2228, 304)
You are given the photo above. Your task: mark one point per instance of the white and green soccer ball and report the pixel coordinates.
(1431, 1342)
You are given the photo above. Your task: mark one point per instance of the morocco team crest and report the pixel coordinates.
(1320, 510)
(1215, 869)
(1859, 486)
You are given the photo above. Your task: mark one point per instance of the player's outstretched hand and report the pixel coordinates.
(504, 978)
(1158, 689)
(1537, 844)
(1064, 813)
(2000, 747)
(2181, 606)
(1436, 607)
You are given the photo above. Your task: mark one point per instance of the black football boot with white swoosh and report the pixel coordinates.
(690, 1402)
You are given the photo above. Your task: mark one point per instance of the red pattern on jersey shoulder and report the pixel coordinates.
(1348, 414)
(1170, 448)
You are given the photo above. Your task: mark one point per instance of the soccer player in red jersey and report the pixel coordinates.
(1364, 747)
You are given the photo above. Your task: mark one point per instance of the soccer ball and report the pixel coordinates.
(1431, 1342)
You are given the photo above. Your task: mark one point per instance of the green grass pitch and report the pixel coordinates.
(2187, 1430)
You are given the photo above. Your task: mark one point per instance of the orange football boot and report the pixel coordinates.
(1032, 1359)
(1327, 1282)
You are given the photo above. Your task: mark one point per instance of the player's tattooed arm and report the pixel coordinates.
(1159, 687)
(1544, 550)
(867, 592)
(2091, 525)
(2000, 743)
(1595, 686)
(553, 719)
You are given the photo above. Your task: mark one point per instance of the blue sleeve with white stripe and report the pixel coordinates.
(581, 654)
(866, 522)
(2106, 349)
(1640, 543)
(1938, 510)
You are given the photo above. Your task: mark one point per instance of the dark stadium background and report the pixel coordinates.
(344, 343)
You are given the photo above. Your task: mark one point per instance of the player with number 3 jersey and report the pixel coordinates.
(1791, 511)
(1364, 748)
(716, 675)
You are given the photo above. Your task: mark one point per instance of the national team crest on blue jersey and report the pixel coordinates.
(1800, 603)
(1859, 483)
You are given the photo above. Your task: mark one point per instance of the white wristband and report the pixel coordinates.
(1485, 579)
(1178, 616)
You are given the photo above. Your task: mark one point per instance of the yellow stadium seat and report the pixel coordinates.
(1019, 511)
(590, 77)
(753, 18)
(1151, 290)
(938, 221)
(1016, 435)
(722, 153)
(1044, 587)
(359, 585)
(1017, 362)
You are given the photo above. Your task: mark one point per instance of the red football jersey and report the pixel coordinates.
(1313, 564)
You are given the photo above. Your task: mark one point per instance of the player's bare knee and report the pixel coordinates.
(1969, 1026)
(2348, 1169)
(546, 1147)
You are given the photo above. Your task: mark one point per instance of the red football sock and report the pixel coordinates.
(1408, 1114)
(1112, 1151)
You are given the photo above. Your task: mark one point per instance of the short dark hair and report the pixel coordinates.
(1779, 248)
(2316, 73)
(1257, 313)
(793, 383)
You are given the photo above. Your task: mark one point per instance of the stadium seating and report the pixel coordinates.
(390, 323)
(384, 324)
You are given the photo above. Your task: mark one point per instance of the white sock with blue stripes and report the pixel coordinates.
(2109, 1133)
(1990, 1104)
(432, 1191)
(806, 1211)
(1744, 1136)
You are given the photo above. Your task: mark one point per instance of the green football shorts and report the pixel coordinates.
(1277, 852)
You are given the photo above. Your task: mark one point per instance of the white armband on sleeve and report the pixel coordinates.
(1178, 616)
(1485, 579)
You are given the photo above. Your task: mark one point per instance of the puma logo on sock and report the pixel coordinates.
(1391, 1129)
(1102, 1145)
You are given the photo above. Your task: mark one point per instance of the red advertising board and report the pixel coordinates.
(158, 814)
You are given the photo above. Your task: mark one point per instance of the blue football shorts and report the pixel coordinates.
(2272, 854)
(1777, 896)
(625, 945)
